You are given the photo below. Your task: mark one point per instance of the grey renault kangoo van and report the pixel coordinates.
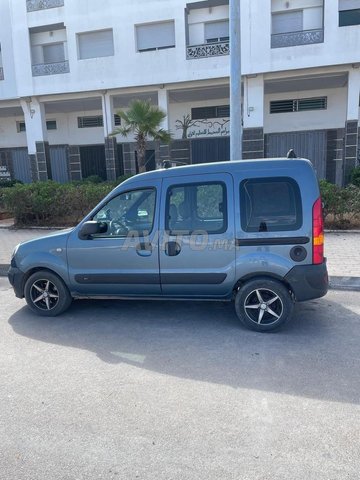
(249, 231)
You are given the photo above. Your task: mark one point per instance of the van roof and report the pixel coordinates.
(295, 164)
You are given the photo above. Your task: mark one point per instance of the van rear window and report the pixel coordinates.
(270, 205)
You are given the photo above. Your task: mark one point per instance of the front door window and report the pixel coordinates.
(130, 212)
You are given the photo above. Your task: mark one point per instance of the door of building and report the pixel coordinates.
(59, 163)
(311, 145)
(93, 162)
(205, 150)
(21, 164)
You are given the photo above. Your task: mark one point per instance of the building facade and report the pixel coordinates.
(67, 67)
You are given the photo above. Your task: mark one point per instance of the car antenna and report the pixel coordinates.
(291, 153)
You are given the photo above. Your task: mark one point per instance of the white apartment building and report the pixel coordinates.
(67, 66)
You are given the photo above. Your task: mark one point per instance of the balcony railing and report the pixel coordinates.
(306, 37)
(1, 73)
(208, 50)
(33, 5)
(50, 68)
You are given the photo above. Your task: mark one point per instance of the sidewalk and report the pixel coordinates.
(341, 249)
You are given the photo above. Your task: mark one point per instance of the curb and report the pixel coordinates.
(342, 231)
(345, 283)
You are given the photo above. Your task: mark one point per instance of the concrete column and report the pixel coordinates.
(111, 153)
(108, 113)
(352, 123)
(253, 134)
(74, 163)
(163, 104)
(36, 135)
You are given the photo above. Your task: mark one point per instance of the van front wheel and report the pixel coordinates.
(263, 304)
(46, 294)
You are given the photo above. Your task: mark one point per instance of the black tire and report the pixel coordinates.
(46, 294)
(263, 304)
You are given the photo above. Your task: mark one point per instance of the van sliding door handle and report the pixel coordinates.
(144, 249)
(172, 249)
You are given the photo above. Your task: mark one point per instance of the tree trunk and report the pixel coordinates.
(141, 152)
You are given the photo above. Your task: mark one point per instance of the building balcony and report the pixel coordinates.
(208, 50)
(1, 73)
(33, 5)
(292, 39)
(50, 68)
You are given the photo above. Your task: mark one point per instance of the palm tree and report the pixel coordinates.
(143, 120)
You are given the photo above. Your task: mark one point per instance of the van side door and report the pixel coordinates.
(197, 248)
(124, 258)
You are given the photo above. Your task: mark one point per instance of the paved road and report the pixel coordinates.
(177, 391)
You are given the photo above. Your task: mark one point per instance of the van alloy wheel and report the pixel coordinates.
(264, 304)
(47, 294)
(44, 294)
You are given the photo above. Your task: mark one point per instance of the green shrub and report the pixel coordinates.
(355, 177)
(9, 183)
(93, 179)
(50, 203)
(341, 205)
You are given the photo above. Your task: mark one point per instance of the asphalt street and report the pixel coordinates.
(165, 390)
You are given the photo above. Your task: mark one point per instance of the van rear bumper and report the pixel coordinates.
(308, 281)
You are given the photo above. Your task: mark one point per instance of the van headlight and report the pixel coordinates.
(13, 263)
(15, 251)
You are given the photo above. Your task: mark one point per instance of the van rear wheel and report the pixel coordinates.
(263, 304)
(46, 294)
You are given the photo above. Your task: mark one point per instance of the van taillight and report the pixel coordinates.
(318, 232)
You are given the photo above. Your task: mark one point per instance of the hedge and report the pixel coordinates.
(53, 204)
(341, 205)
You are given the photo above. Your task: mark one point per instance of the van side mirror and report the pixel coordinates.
(91, 228)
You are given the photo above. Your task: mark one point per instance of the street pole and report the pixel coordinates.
(235, 82)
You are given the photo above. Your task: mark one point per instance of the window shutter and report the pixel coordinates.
(54, 53)
(349, 4)
(155, 35)
(216, 30)
(287, 22)
(96, 44)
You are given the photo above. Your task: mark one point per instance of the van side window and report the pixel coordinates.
(270, 205)
(131, 211)
(196, 207)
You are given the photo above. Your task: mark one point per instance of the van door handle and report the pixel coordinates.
(144, 249)
(172, 249)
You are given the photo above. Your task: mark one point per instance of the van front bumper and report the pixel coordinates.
(16, 279)
(308, 281)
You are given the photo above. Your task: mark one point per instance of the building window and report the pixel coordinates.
(155, 36)
(90, 121)
(217, 31)
(95, 44)
(20, 127)
(117, 120)
(220, 111)
(53, 53)
(349, 12)
(51, 125)
(298, 105)
(286, 22)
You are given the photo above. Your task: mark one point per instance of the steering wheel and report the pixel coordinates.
(118, 227)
